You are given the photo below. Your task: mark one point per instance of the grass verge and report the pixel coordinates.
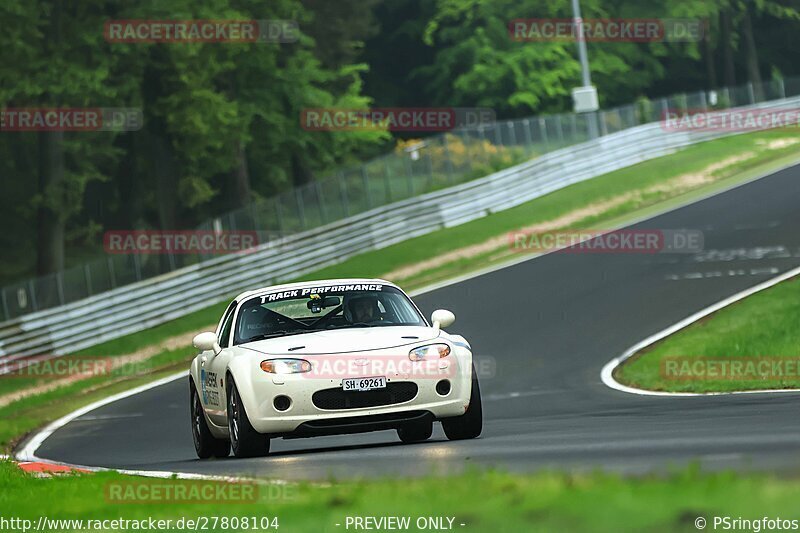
(631, 193)
(485, 501)
(753, 344)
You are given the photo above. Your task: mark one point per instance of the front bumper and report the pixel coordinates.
(304, 417)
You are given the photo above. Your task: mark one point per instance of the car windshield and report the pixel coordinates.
(321, 308)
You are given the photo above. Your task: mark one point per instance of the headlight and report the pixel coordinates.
(432, 351)
(286, 366)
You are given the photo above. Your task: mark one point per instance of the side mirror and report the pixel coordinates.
(207, 341)
(441, 318)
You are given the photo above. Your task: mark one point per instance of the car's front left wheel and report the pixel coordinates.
(245, 440)
(205, 444)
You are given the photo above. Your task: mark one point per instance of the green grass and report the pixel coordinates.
(483, 501)
(21, 417)
(760, 328)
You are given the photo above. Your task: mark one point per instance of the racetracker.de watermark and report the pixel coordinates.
(605, 241)
(71, 119)
(199, 492)
(179, 242)
(607, 30)
(396, 118)
(730, 119)
(340, 366)
(201, 31)
(701, 368)
(52, 367)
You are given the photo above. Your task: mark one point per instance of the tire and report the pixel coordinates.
(205, 444)
(470, 424)
(244, 439)
(416, 432)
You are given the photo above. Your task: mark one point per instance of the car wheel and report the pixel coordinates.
(416, 432)
(205, 444)
(470, 424)
(245, 440)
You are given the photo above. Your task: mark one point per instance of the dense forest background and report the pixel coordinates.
(221, 120)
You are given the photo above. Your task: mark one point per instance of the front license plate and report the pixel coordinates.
(362, 384)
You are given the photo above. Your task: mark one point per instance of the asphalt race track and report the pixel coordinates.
(550, 324)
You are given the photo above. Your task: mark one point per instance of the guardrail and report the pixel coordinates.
(135, 307)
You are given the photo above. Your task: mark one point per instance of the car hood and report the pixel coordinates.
(343, 340)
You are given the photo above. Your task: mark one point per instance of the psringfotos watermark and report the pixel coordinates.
(179, 241)
(396, 118)
(635, 30)
(702, 368)
(730, 119)
(648, 241)
(71, 119)
(201, 31)
(199, 492)
(738, 523)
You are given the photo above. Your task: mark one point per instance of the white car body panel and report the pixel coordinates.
(378, 346)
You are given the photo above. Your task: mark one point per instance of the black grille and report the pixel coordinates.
(340, 399)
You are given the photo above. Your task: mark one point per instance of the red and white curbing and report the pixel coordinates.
(43, 469)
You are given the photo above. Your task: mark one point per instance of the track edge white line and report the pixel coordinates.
(606, 374)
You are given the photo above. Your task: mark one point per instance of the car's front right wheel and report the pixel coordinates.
(245, 440)
(470, 424)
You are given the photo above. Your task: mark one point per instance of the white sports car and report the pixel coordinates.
(324, 358)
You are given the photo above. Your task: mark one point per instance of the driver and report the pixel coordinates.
(364, 309)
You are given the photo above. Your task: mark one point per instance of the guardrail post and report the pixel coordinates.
(527, 127)
(6, 314)
(365, 180)
(137, 267)
(278, 214)
(482, 143)
(60, 287)
(387, 180)
(429, 184)
(448, 162)
(111, 273)
(322, 209)
(543, 134)
(409, 175)
(467, 155)
(560, 131)
(343, 193)
(301, 211)
(32, 290)
(88, 277)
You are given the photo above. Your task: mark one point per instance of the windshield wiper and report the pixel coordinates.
(274, 334)
(357, 325)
